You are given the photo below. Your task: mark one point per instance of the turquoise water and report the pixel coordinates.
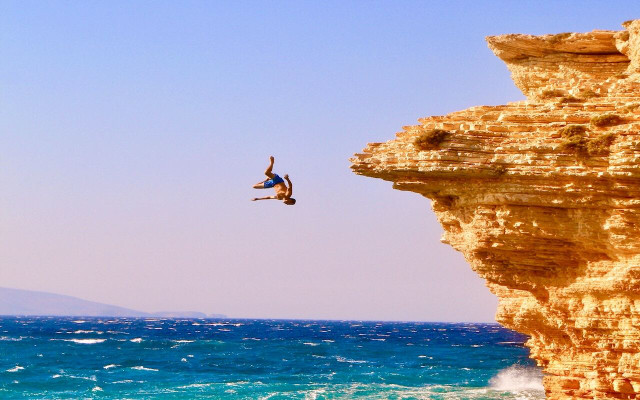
(67, 358)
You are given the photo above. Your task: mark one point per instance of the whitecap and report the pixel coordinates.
(183, 341)
(236, 383)
(86, 378)
(15, 369)
(136, 340)
(10, 339)
(109, 366)
(194, 385)
(85, 341)
(141, 368)
(96, 389)
(348, 360)
(311, 344)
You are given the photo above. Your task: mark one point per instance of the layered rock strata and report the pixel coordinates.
(542, 197)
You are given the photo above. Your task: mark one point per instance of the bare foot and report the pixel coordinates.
(271, 158)
(286, 176)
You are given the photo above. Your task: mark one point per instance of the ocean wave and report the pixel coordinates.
(109, 366)
(86, 378)
(141, 368)
(85, 341)
(15, 369)
(195, 385)
(517, 378)
(387, 391)
(10, 339)
(313, 394)
(183, 341)
(236, 324)
(350, 361)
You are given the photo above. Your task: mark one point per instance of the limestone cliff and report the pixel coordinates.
(542, 197)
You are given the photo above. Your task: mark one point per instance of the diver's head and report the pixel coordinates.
(289, 201)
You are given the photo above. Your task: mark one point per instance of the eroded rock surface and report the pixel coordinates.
(548, 216)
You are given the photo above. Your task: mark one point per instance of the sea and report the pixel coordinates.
(152, 358)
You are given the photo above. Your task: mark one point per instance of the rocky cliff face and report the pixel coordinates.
(543, 198)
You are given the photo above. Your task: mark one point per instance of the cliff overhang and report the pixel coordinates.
(542, 197)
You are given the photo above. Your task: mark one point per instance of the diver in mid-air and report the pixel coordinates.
(275, 181)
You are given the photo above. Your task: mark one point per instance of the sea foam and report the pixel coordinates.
(517, 378)
(85, 341)
(141, 368)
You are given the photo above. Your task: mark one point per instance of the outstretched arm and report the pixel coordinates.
(290, 188)
(264, 198)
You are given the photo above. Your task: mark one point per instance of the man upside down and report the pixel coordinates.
(276, 182)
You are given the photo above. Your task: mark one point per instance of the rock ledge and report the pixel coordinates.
(548, 215)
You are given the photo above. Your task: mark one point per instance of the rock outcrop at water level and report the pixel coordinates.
(542, 197)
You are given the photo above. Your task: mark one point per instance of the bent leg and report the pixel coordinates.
(259, 185)
(268, 172)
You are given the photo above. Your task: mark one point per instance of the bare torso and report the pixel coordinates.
(281, 190)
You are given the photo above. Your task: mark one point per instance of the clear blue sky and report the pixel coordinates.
(131, 133)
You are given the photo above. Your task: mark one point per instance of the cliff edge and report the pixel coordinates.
(542, 197)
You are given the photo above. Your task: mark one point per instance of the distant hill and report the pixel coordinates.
(28, 302)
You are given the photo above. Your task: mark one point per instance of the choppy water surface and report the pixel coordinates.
(141, 358)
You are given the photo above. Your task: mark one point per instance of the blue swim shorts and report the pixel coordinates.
(273, 181)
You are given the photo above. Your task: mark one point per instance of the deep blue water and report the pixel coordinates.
(139, 358)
